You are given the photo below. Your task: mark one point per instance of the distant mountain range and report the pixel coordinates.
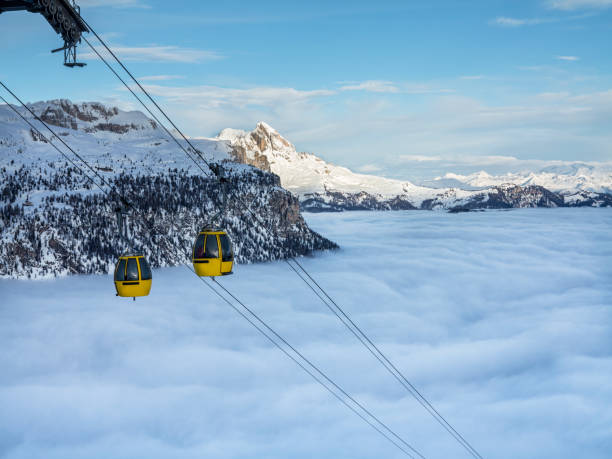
(565, 178)
(322, 186)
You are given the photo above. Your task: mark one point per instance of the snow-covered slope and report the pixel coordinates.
(324, 186)
(107, 137)
(54, 221)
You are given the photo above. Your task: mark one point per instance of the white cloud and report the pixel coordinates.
(516, 22)
(174, 54)
(215, 96)
(472, 77)
(563, 126)
(554, 95)
(160, 77)
(381, 86)
(504, 21)
(500, 318)
(419, 158)
(423, 88)
(569, 5)
(568, 58)
(371, 86)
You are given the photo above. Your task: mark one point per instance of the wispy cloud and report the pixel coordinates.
(215, 96)
(158, 54)
(382, 86)
(570, 5)
(419, 158)
(568, 58)
(511, 22)
(424, 88)
(161, 77)
(554, 95)
(472, 77)
(504, 21)
(371, 86)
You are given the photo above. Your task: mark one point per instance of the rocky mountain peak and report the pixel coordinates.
(259, 147)
(264, 138)
(268, 138)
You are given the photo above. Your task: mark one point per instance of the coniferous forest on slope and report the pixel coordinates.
(54, 221)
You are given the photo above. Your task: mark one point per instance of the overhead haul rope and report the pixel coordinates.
(348, 322)
(195, 150)
(280, 342)
(147, 108)
(379, 355)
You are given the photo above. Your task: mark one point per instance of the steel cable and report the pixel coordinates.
(381, 357)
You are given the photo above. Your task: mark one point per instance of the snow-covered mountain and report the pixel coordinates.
(54, 221)
(323, 186)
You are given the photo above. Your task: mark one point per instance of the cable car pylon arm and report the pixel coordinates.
(62, 15)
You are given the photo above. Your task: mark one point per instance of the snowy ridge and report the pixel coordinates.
(54, 221)
(105, 136)
(322, 186)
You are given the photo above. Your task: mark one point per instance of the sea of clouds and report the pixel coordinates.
(502, 319)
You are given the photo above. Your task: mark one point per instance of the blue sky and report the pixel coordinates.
(398, 88)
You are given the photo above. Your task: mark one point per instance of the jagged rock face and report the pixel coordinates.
(241, 155)
(64, 112)
(250, 148)
(90, 116)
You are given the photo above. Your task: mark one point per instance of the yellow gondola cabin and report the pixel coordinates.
(212, 254)
(133, 276)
